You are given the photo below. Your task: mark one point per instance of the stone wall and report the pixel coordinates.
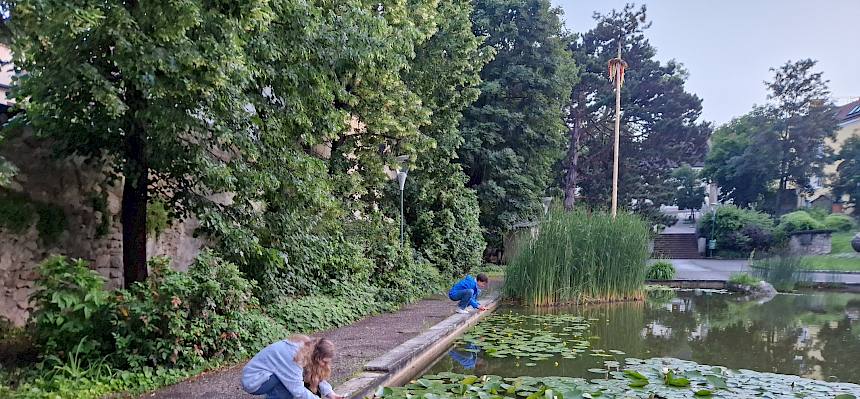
(814, 242)
(72, 185)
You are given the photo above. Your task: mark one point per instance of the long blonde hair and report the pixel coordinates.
(310, 357)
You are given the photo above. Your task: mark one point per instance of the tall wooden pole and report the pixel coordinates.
(616, 73)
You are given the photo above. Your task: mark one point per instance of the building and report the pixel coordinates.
(848, 117)
(7, 70)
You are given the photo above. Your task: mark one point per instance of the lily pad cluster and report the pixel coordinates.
(653, 378)
(532, 337)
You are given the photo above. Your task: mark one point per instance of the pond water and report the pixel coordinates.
(815, 335)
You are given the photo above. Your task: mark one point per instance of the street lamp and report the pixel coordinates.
(401, 180)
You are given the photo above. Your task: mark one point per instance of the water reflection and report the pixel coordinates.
(812, 335)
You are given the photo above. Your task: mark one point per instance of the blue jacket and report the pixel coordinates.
(468, 283)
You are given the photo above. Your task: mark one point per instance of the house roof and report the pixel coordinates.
(848, 112)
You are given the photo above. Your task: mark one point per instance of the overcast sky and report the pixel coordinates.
(728, 45)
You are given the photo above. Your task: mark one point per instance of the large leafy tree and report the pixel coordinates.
(659, 128)
(158, 99)
(738, 167)
(802, 119)
(757, 157)
(441, 211)
(847, 179)
(689, 193)
(514, 132)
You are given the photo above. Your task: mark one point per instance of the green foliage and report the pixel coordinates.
(99, 204)
(51, 222)
(783, 271)
(514, 132)
(777, 144)
(797, 221)
(442, 214)
(148, 97)
(581, 256)
(735, 164)
(179, 319)
(314, 313)
(840, 242)
(661, 270)
(839, 222)
(689, 193)
(743, 279)
(16, 213)
(847, 179)
(738, 229)
(72, 310)
(157, 219)
(653, 215)
(659, 131)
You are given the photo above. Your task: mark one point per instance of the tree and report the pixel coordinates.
(442, 213)
(759, 154)
(689, 192)
(847, 179)
(735, 164)
(659, 128)
(154, 98)
(514, 131)
(802, 119)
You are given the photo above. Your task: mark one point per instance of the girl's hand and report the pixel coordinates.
(482, 308)
(335, 396)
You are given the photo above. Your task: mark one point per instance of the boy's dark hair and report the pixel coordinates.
(482, 278)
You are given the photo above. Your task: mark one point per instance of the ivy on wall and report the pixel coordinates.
(18, 213)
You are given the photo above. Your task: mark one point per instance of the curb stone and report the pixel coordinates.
(400, 364)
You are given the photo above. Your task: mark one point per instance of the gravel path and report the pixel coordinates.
(356, 344)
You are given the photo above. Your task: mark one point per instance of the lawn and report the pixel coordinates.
(830, 262)
(840, 257)
(841, 243)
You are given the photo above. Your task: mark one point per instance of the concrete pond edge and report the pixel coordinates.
(399, 365)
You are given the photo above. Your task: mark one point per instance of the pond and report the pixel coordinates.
(814, 335)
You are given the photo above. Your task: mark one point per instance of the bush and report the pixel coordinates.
(839, 222)
(661, 270)
(797, 221)
(738, 229)
(184, 319)
(743, 279)
(654, 216)
(72, 309)
(581, 256)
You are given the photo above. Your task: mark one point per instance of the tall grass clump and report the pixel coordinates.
(783, 270)
(580, 256)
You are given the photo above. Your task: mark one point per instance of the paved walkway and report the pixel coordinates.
(711, 269)
(356, 344)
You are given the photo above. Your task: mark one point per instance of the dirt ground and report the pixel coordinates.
(356, 344)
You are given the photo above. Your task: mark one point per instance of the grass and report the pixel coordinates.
(581, 256)
(841, 243)
(783, 271)
(842, 257)
(834, 263)
(743, 279)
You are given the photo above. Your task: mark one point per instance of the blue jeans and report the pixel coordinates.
(273, 389)
(463, 297)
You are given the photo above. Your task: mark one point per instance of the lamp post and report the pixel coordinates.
(401, 180)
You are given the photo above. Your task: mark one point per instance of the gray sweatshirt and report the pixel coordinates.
(277, 359)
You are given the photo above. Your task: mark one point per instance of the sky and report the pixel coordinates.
(728, 46)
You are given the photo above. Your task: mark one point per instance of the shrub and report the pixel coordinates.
(839, 222)
(661, 270)
(743, 279)
(654, 216)
(71, 309)
(581, 256)
(738, 229)
(184, 319)
(157, 218)
(798, 221)
(322, 312)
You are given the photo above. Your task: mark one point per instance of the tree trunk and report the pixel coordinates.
(133, 217)
(570, 178)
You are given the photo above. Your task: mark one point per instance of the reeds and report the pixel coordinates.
(580, 257)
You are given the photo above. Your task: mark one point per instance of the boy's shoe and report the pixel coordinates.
(462, 311)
